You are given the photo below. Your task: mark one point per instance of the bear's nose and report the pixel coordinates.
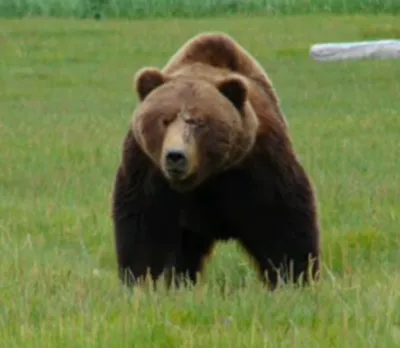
(176, 162)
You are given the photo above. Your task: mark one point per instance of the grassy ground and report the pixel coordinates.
(191, 8)
(65, 104)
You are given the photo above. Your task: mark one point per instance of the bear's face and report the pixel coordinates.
(190, 128)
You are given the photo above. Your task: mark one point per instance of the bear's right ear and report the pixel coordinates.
(147, 80)
(235, 90)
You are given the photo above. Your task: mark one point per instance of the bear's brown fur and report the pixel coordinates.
(208, 157)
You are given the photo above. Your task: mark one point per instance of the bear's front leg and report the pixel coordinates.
(285, 240)
(145, 227)
(279, 260)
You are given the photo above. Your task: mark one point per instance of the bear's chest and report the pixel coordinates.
(203, 218)
(228, 206)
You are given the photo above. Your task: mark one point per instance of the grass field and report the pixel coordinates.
(192, 8)
(65, 103)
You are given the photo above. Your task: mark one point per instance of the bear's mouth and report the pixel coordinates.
(180, 184)
(176, 174)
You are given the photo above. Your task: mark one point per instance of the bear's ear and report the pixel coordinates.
(235, 90)
(146, 80)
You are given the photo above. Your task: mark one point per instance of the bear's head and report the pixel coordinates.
(191, 128)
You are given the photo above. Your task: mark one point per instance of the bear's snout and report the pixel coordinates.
(176, 163)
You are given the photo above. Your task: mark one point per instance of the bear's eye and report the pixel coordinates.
(166, 122)
(197, 122)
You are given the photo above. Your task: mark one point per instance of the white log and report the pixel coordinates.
(379, 49)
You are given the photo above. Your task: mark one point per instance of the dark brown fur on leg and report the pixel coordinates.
(273, 216)
(288, 250)
(145, 218)
(284, 264)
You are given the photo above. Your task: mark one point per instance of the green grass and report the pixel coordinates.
(65, 103)
(188, 8)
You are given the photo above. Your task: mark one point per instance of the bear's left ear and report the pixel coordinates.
(147, 80)
(235, 90)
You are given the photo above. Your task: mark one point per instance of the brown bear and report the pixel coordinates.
(208, 158)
